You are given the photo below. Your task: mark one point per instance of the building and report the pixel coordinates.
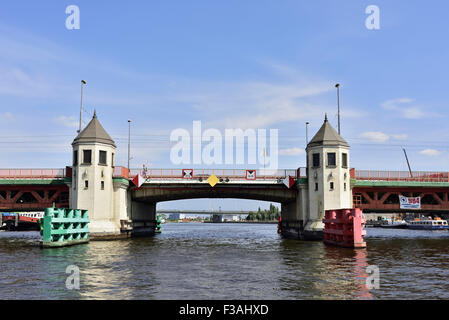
(176, 216)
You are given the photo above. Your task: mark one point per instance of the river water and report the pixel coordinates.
(227, 261)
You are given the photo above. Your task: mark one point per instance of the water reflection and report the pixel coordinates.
(226, 261)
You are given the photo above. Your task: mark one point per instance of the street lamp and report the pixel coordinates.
(83, 82)
(129, 141)
(307, 133)
(338, 103)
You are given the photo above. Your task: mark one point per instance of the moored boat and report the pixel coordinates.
(428, 224)
(394, 224)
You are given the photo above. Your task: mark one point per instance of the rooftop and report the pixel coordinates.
(327, 136)
(94, 132)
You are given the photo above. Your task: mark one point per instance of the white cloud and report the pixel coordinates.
(430, 152)
(7, 116)
(378, 136)
(399, 136)
(403, 107)
(291, 152)
(375, 136)
(70, 122)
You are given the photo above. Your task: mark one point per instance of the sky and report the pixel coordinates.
(229, 64)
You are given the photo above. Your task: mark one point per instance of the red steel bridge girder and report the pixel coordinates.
(33, 197)
(387, 199)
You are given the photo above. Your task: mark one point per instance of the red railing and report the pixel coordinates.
(418, 176)
(121, 172)
(18, 174)
(260, 174)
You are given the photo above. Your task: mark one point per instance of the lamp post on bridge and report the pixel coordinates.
(338, 104)
(129, 141)
(83, 82)
(307, 133)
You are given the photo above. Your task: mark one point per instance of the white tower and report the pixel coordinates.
(92, 184)
(328, 175)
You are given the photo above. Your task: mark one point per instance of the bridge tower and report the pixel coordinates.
(328, 176)
(92, 185)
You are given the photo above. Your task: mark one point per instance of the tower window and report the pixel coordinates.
(87, 156)
(316, 186)
(331, 161)
(344, 186)
(332, 186)
(102, 185)
(75, 157)
(344, 160)
(316, 159)
(86, 184)
(102, 157)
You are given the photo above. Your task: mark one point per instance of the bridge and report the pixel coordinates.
(205, 212)
(118, 207)
(373, 191)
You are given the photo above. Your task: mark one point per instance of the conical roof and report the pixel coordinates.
(94, 132)
(327, 136)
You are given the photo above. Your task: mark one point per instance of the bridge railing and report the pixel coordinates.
(260, 174)
(121, 172)
(418, 176)
(19, 174)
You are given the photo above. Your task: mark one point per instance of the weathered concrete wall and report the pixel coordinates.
(295, 215)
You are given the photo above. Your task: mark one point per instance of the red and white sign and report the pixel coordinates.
(250, 174)
(187, 173)
(409, 202)
(138, 180)
(289, 181)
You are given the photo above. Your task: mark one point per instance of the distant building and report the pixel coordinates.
(234, 217)
(225, 218)
(176, 216)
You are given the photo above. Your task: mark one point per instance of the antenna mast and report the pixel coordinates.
(408, 163)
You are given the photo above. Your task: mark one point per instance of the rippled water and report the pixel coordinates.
(227, 261)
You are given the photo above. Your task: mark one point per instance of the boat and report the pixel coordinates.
(428, 224)
(394, 224)
(20, 221)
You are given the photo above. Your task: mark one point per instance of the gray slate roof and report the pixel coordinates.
(94, 132)
(327, 136)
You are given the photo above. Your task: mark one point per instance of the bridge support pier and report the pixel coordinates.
(296, 220)
(143, 217)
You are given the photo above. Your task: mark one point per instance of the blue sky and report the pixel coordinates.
(257, 64)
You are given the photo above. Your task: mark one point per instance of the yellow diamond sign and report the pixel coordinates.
(212, 180)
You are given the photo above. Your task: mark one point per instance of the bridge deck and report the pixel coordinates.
(372, 190)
